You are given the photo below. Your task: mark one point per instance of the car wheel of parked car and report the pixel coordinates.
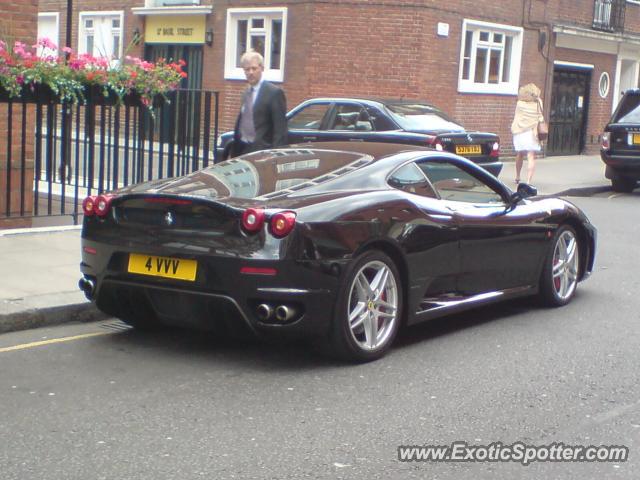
(623, 184)
(560, 272)
(369, 309)
(226, 154)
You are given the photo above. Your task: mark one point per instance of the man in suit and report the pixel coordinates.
(262, 122)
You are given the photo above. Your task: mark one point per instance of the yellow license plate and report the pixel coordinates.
(635, 138)
(468, 149)
(179, 268)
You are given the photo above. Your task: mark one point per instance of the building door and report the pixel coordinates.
(569, 108)
(180, 121)
(192, 54)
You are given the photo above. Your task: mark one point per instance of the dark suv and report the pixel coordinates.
(620, 148)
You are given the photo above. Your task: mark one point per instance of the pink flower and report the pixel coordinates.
(67, 50)
(19, 49)
(46, 43)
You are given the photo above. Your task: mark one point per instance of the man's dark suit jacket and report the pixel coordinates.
(269, 119)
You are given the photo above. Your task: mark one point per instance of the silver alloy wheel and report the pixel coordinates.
(565, 265)
(373, 305)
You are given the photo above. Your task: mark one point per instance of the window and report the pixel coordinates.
(101, 34)
(48, 27)
(417, 116)
(490, 58)
(453, 183)
(309, 118)
(351, 117)
(409, 178)
(263, 30)
(289, 182)
(603, 85)
(311, 164)
(629, 109)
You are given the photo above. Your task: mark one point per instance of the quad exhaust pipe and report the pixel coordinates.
(284, 313)
(264, 311)
(87, 286)
(281, 313)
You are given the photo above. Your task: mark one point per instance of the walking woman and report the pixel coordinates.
(525, 128)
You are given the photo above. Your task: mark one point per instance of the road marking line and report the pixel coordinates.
(53, 340)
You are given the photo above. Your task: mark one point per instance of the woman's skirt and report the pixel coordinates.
(526, 141)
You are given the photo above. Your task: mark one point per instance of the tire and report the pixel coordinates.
(623, 184)
(378, 309)
(226, 154)
(559, 278)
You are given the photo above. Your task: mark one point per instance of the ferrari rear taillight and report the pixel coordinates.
(495, 150)
(102, 205)
(252, 220)
(282, 223)
(99, 205)
(605, 144)
(88, 205)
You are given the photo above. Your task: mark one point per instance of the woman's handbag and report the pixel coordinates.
(543, 128)
(543, 131)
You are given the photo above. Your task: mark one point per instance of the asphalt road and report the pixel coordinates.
(112, 403)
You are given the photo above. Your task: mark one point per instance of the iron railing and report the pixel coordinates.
(608, 15)
(58, 154)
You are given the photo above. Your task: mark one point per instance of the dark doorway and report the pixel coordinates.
(569, 109)
(173, 126)
(192, 54)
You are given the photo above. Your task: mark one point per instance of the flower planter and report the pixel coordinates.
(134, 99)
(35, 93)
(95, 95)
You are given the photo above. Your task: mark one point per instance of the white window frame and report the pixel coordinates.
(56, 40)
(503, 88)
(82, 43)
(233, 72)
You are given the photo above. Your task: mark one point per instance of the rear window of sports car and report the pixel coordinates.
(421, 117)
(274, 173)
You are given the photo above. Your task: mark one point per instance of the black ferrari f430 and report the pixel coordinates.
(334, 242)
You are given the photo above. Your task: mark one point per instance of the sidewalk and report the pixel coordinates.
(562, 174)
(41, 266)
(39, 284)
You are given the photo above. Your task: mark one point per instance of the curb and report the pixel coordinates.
(22, 231)
(41, 317)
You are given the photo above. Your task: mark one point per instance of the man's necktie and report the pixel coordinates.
(247, 128)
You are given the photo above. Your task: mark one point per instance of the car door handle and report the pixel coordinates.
(356, 139)
(308, 139)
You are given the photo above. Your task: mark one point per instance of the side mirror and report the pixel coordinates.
(523, 191)
(526, 190)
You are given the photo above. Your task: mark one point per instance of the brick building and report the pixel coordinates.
(17, 23)
(467, 57)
